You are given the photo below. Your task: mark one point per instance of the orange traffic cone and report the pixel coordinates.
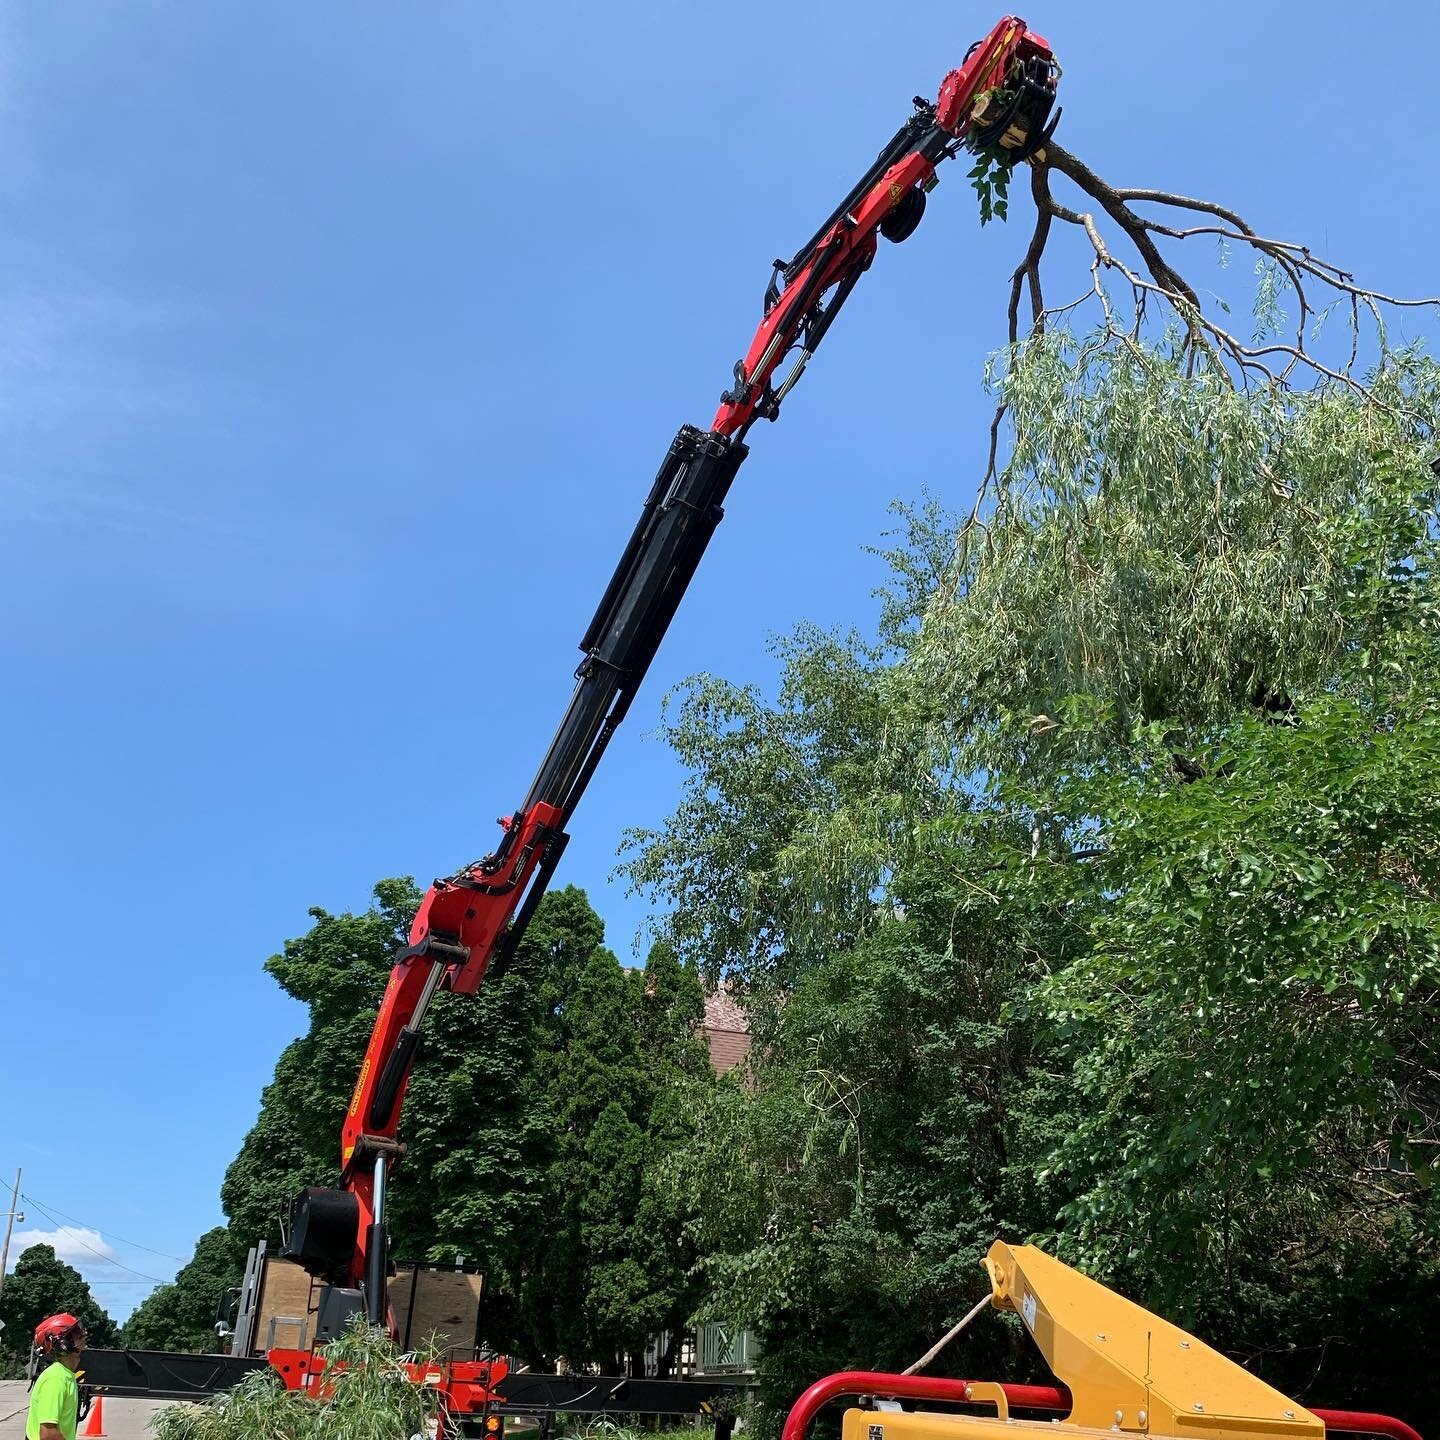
(95, 1421)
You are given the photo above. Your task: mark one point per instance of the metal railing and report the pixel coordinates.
(725, 1350)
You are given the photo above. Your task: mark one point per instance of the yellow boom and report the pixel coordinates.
(1129, 1369)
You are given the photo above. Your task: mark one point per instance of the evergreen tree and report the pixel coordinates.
(508, 1123)
(478, 1127)
(594, 1070)
(623, 1088)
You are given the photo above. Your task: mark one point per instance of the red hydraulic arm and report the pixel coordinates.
(470, 923)
(889, 199)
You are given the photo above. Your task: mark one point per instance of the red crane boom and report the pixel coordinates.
(999, 100)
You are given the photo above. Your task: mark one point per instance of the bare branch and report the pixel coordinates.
(1231, 357)
(1185, 202)
(1029, 267)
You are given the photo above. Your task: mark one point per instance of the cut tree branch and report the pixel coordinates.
(1239, 362)
(1205, 340)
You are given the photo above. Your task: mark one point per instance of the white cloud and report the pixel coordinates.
(117, 1286)
(85, 1249)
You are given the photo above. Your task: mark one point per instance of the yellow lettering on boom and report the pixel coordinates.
(359, 1086)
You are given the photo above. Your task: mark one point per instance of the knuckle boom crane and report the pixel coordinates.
(1121, 1368)
(470, 923)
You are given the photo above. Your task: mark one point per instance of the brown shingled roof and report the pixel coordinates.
(722, 1013)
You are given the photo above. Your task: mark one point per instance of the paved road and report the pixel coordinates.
(124, 1419)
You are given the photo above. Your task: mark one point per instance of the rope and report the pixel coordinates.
(945, 1339)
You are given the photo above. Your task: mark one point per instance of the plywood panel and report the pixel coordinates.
(446, 1304)
(285, 1296)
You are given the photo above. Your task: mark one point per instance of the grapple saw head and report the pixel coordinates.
(1001, 97)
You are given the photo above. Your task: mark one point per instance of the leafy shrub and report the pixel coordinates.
(364, 1394)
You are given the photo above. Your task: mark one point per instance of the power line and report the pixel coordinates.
(98, 1254)
(109, 1234)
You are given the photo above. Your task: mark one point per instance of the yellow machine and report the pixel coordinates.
(1122, 1371)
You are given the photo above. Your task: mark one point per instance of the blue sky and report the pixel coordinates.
(338, 344)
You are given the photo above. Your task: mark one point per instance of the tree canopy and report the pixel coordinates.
(43, 1284)
(1092, 897)
(536, 1123)
(182, 1315)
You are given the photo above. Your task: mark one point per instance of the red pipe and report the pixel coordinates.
(1023, 1397)
(913, 1387)
(1365, 1422)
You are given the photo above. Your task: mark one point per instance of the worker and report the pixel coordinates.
(55, 1398)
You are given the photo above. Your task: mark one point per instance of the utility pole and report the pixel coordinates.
(12, 1215)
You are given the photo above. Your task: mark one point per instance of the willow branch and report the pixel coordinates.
(1156, 275)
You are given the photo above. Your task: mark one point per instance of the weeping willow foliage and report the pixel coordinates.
(1159, 547)
(364, 1394)
(1048, 928)
(1165, 546)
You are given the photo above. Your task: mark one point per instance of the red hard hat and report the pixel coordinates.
(56, 1334)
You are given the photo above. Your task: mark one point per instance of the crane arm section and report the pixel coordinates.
(468, 924)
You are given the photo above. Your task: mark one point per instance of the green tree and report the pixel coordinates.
(1261, 1107)
(338, 969)
(594, 1070)
(43, 1284)
(622, 1087)
(503, 1133)
(475, 1119)
(1091, 899)
(476, 1141)
(478, 1122)
(672, 1009)
(182, 1315)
